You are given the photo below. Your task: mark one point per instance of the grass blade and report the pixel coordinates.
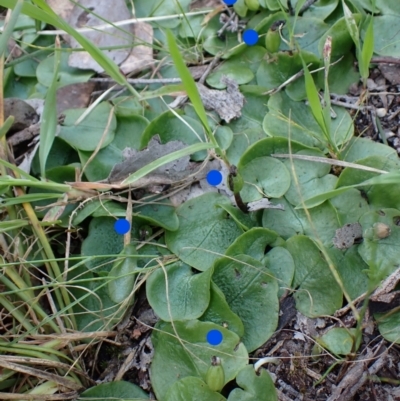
(351, 25)
(313, 100)
(367, 50)
(187, 81)
(10, 26)
(164, 160)
(49, 119)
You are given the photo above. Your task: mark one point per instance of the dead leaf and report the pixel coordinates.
(347, 235)
(166, 174)
(227, 103)
(141, 56)
(74, 96)
(112, 11)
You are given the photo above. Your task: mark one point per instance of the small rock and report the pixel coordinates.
(371, 85)
(381, 112)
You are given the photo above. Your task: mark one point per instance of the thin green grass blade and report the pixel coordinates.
(49, 118)
(166, 159)
(321, 198)
(351, 25)
(327, 98)
(187, 81)
(383, 179)
(5, 36)
(21, 172)
(6, 181)
(313, 100)
(12, 225)
(29, 198)
(367, 49)
(6, 126)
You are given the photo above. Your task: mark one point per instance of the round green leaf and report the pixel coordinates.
(269, 146)
(227, 46)
(377, 196)
(339, 340)
(352, 270)
(255, 386)
(288, 116)
(241, 142)
(317, 292)
(350, 206)
(280, 262)
(310, 179)
(381, 254)
(342, 43)
(171, 128)
(118, 389)
(103, 240)
(243, 220)
(193, 389)
(321, 9)
(101, 165)
(158, 212)
(281, 67)
(360, 148)
(204, 233)
(251, 292)
(240, 73)
(89, 133)
(309, 31)
(188, 293)
(67, 75)
(389, 326)
(320, 223)
(253, 113)
(174, 359)
(264, 177)
(387, 35)
(122, 275)
(220, 313)
(224, 136)
(252, 243)
(129, 131)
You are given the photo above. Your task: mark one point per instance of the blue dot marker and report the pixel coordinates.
(214, 337)
(122, 226)
(214, 177)
(250, 37)
(230, 2)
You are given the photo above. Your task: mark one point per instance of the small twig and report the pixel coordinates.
(385, 60)
(143, 81)
(228, 21)
(210, 67)
(350, 105)
(395, 114)
(373, 119)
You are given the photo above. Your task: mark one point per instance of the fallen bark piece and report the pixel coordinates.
(227, 103)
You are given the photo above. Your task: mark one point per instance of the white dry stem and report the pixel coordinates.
(126, 22)
(330, 161)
